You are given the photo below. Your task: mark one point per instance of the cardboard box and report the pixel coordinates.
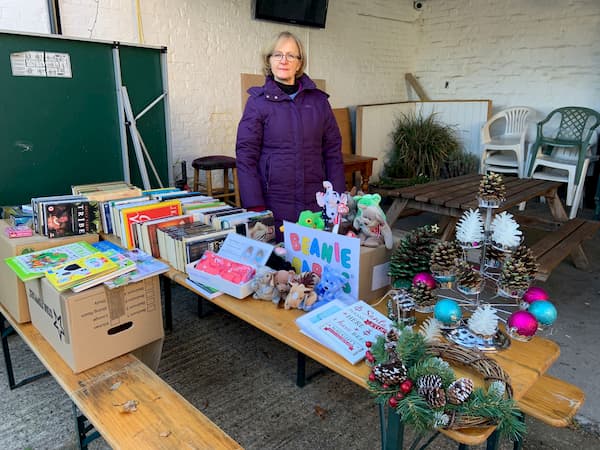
(98, 324)
(12, 290)
(374, 280)
(240, 249)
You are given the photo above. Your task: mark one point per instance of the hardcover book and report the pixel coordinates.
(345, 329)
(33, 265)
(77, 271)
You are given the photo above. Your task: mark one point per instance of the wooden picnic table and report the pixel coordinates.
(451, 197)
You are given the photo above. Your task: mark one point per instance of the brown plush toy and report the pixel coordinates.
(281, 281)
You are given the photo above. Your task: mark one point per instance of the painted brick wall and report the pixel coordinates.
(515, 52)
(541, 54)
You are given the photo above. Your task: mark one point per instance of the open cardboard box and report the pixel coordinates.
(240, 249)
(12, 290)
(98, 324)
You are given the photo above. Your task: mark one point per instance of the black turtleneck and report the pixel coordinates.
(289, 89)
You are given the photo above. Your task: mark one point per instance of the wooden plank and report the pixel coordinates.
(551, 240)
(342, 117)
(553, 401)
(412, 81)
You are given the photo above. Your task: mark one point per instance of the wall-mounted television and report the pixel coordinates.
(311, 13)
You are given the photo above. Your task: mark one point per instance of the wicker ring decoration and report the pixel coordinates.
(410, 372)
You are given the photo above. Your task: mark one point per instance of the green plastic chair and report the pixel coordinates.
(564, 147)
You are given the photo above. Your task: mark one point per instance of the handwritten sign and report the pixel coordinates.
(311, 250)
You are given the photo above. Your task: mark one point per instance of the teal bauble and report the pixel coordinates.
(447, 311)
(544, 311)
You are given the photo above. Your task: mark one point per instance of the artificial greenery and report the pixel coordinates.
(420, 147)
(413, 253)
(489, 406)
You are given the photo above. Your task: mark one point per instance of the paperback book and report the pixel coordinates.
(204, 290)
(345, 329)
(70, 218)
(33, 265)
(145, 265)
(81, 270)
(138, 214)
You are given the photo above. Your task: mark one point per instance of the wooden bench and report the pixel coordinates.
(567, 239)
(162, 419)
(552, 401)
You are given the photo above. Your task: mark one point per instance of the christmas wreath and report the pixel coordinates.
(410, 373)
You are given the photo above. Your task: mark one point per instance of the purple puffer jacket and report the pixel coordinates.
(286, 149)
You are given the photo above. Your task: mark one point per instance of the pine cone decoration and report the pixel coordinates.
(525, 255)
(428, 383)
(491, 188)
(391, 341)
(391, 373)
(494, 254)
(514, 275)
(436, 398)
(413, 253)
(459, 391)
(467, 276)
(444, 256)
(422, 295)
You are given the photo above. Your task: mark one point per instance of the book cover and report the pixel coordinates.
(216, 218)
(345, 329)
(204, 290)
(33, 265)
(149, 228)
(37, 212)
(194, 247)
(70, 218)
(143, 213)
(116, 206)
(259, 228)
(77, 271)
(145, 265)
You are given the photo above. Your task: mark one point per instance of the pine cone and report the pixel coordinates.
(412, 254)
(515, 275)
(422, 295)
(459, 391)
(525, 255)
(491, 188)
(444, 256)
(467, 276)
(494, 254)
(436, 398)
(391, 373)
(428, 383)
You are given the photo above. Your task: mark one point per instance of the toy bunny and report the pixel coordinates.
(263, 286)
(372, 226)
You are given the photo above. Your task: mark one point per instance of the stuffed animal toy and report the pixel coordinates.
(300, 296)
(372, 227)
(334, 206)
(330, 287)
(262, 283)
(281, 283)
(311, 220)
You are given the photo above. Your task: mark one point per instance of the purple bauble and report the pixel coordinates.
(534, 293)
(522, 325)
(424, 277)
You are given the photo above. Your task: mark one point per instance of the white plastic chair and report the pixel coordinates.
(505, 152)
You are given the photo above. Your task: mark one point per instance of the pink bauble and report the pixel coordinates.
(424, 277)
(534, 293)
(523, 322)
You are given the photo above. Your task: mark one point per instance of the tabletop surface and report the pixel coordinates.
(524, 362)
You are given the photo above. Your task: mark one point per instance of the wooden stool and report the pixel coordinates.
(218, 162)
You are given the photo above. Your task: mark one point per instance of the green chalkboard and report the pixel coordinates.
(56, 132)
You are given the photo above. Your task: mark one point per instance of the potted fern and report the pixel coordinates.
(421, 147)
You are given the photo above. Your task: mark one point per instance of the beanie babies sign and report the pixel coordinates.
(309, 249)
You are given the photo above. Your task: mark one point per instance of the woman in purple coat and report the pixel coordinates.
(288, 141)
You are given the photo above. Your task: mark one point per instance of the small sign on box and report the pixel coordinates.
(238, 249)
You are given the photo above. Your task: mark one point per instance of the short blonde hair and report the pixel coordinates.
(271, 48)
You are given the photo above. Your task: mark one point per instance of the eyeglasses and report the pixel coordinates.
(278, 56)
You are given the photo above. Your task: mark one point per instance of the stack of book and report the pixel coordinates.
(65, 215)
(108, 190)
(345, 329)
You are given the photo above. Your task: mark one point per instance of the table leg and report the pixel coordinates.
(83, 438)
(394, 431)
(447, 225)
(556, 207)
(395, 210)
(364, 176)
(166, 282)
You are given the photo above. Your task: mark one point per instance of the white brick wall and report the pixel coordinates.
(541, 54)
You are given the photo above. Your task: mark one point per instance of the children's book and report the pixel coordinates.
(344, 329)
(78, 271)
(145, 265)
(33, 265)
